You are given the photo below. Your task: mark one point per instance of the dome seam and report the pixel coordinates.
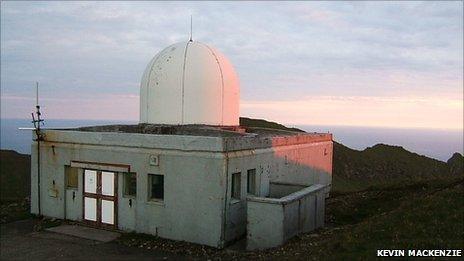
(183, 80)
(222, 81)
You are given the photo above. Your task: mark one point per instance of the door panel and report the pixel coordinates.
(90, 181)
(107, 212)
(90, 209)
(107, 183)
(74, 201)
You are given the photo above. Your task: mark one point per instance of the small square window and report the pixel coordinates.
(71, 177)
(236, 185)
(130, 184)
(251, 181)
(156, 187)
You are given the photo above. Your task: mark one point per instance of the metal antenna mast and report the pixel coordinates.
(191, 28)
(39, 136)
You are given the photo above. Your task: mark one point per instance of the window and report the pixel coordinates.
(236, 185)
(156, 187)
(130, 184)
(251, 181)
(71, 177)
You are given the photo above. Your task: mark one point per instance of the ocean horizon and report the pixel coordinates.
(434, 143)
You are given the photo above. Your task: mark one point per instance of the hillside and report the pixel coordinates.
(248, 122)
(456, 163)
(15, 177)
(385, 165)
(379, 165)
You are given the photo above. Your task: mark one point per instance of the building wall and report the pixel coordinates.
(261, 218)
(194, 186)
(273, 221)
(198, 170)
(302, 164)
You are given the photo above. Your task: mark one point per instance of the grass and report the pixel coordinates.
(410, 220)
(428, 214)
(15, 177)
(13, 211)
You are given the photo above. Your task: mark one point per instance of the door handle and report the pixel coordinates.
(74, 195)
(130, 202)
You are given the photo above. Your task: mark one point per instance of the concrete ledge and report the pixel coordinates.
(182, 142)
(178, 142)
(289, 198)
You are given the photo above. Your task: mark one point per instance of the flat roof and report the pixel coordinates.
(190, 130)
(183, 137)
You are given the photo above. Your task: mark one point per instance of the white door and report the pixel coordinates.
(100, 198)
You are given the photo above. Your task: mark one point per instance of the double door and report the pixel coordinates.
(100, 198)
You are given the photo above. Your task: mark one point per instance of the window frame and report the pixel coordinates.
(253, 187)
(236, 186)
(149, 189)
(125, 185)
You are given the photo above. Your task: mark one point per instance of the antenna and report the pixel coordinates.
(37, 121)
(36, 93)
(40, 137)
(191, 28)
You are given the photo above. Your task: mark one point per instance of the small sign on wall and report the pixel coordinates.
(53, 192)
(154, 160)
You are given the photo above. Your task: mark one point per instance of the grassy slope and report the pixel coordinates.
(416, 217)
(382, 165)
(15, 179)
(265, 124)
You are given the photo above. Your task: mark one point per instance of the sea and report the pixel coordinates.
(434, 143)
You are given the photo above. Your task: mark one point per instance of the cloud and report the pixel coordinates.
(282, 50)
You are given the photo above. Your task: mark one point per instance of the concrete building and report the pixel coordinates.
(188, 171)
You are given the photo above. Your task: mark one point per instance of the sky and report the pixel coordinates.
(376, 64)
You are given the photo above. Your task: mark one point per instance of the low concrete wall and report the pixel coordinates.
(272, 221)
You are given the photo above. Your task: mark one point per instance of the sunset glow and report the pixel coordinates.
(309, 63)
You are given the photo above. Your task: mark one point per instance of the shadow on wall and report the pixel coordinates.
(298, 186)
(307, 160)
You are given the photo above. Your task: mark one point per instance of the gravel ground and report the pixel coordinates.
(20, 241)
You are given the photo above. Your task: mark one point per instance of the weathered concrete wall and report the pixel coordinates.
(261, 218)
(194, 186)
(198, 206)
(292, 166)
(303, 164)
(272, 221)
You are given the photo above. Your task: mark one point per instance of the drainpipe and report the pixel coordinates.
(224, 212)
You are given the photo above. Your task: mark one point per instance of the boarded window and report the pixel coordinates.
(236, 185)
(251, 181)
(71, 177)
(156, 187)
(130, 184)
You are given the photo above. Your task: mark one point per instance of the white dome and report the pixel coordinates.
(189, 83)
